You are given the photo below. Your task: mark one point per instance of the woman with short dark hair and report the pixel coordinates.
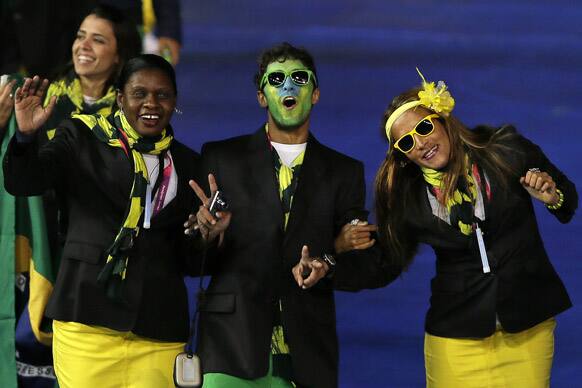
(119, 305)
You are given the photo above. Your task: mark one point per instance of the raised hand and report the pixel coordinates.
(6, 102)
(309, 270)
(209, 226)
(355, 235)
(30, 114)
(540, 186)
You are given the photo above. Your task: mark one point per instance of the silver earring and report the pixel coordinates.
(178, 111)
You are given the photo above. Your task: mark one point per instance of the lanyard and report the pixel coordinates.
(482, 250)
(164, 185)
(483, 189)
(161, 186)
(483, 194)
(200, 294)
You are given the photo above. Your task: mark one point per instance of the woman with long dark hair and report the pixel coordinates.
(105, 40)
(468, 194)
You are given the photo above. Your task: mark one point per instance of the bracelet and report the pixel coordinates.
(560, 201)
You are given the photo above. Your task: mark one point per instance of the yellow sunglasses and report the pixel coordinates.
(423, 128)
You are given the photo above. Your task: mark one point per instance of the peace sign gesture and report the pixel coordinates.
(209, 225)
(30, 114)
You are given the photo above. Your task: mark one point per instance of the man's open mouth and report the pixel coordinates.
(289, 102)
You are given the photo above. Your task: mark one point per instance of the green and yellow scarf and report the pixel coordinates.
(461, 205)
(117, 132)
(287, 177)
(70, 101)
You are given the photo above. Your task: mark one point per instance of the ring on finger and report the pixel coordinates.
(534, 169)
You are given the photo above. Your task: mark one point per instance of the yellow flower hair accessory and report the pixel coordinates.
(434, 97)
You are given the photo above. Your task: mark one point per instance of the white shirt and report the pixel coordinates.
(288, 152)
(89, 100)
(152, 164)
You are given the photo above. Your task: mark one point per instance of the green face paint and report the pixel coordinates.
(288, 104)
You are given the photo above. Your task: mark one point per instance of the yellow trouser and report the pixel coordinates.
(97, 357)
(521, 360)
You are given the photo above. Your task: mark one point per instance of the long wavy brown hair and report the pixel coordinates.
(397, 179)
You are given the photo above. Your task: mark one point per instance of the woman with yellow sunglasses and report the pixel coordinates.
(467, 193)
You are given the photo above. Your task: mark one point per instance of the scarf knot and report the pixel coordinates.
(460, 205)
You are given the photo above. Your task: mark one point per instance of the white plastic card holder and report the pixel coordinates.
(187, 371)
(482, 251)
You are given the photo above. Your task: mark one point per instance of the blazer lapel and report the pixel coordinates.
(312, 170)
(262, 174)
(447, 233)
(119, 171)
(496, 204)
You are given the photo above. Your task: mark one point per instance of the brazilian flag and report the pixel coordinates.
(27, 275)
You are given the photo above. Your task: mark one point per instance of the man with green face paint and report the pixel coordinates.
(289, 103)
(268, 316)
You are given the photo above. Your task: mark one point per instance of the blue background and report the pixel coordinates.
(508, 61)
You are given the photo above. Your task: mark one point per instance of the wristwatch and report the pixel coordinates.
(330, 261)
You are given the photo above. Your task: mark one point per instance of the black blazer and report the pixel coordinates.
(522, 288)
(252, 269)
(95, 181)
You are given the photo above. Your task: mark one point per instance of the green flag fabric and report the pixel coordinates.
(27, 275)
(7, 278)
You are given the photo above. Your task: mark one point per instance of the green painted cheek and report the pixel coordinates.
(304, 103)
(294, 117)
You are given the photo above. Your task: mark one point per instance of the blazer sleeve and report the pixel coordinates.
(206, 255)
(351, 197)
(30, 169)
(534, 157)
(192, 248)
(359, 269)
(362, 269)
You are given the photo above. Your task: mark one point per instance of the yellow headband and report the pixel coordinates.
(434, 97)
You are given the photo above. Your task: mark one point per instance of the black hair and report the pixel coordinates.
(125, 31)
(146, 61)
(126, 35)
(280, 53)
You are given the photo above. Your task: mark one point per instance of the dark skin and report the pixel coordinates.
(148, 100)
(210, 227)
(6, 102)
